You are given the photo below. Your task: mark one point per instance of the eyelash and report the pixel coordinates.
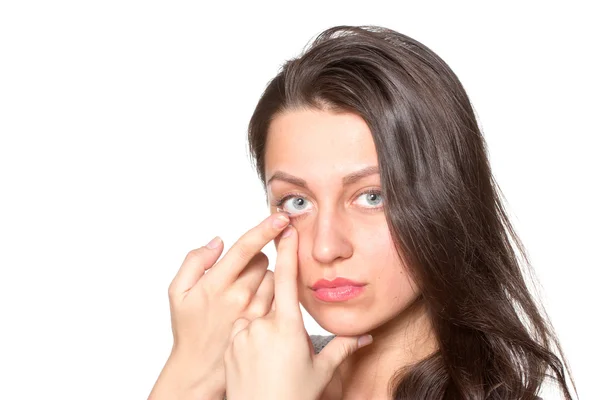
(279, 202)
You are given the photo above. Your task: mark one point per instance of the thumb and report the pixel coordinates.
(310, 344)
(337, 350)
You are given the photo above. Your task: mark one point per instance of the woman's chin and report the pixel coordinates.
(342, 322)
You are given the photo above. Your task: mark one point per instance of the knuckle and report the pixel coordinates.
(202, 295)
(260, 259)
(171, 291)
(256, 310)
(240, 298)
(195, 254)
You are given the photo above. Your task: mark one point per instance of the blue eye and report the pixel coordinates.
(372, 197)
(299, 203)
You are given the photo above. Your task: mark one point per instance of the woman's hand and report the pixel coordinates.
(204, 308)
(272, 357)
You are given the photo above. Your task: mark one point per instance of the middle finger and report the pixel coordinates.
(263, 299)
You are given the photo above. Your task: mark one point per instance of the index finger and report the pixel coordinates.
(226, 271)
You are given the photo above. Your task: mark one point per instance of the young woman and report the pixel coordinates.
(368, 144)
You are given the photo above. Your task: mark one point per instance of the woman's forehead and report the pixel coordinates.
(298, 140)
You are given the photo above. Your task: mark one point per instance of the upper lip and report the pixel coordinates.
(337, 282)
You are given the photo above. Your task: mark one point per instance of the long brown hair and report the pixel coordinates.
(442, 204)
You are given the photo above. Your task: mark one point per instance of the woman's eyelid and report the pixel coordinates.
(369, 192)
(287, 196)
(281, 200)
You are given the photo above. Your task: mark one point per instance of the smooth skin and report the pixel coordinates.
(290, 369)
(206, 297)
(343, 232)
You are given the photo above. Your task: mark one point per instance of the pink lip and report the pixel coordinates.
(339, 289)
(337, 282)
(341, 293)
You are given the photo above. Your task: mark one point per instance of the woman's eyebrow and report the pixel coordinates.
(346, 180)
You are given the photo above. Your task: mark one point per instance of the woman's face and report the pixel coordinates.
(342, 230)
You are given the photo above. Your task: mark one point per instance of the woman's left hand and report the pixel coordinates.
(272, 357)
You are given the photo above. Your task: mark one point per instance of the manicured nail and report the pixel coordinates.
(365, 340)
(280, 221)
(213, 244)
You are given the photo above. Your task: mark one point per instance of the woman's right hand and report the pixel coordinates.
(204, 307)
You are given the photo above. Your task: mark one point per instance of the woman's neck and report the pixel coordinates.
(402, 341)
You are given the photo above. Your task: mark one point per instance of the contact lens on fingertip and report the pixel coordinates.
(279, 209)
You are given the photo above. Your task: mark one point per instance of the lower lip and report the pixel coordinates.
(341, 293)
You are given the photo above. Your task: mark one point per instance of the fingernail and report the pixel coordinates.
(213, 244)
(365, 340)
(280, 221)
(287, 232)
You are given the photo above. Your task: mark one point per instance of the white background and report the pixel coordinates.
(123, 147)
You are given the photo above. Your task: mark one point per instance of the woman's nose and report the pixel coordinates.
(331, 238)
